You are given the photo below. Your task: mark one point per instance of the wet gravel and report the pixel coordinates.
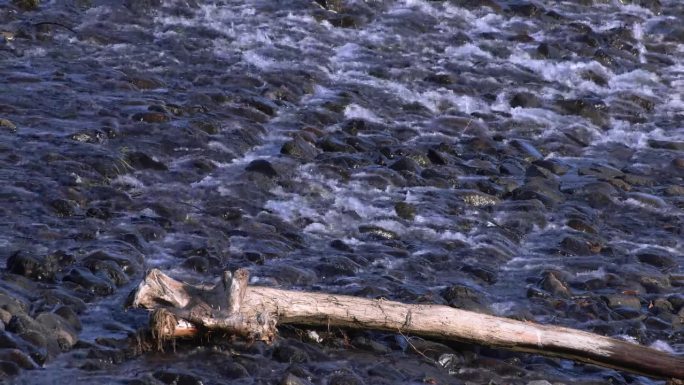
(523, 159)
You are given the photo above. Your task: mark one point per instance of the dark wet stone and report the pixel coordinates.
(377, 232)
(431, 349)
(108, 270)
(99, 213)
(525, 100)
(481, 144)
(264, 105)
(262, 166)
(150, 117)
(540, 189)
(63, 207)
(9, 369)
(484, 274)
(207, 126)
(332, 144)
(436, 157)
(146, 82)
(233, 370)
(549, 51)
(300, 149)
(472, 4)
(28, 5)
(89, 137)
(539, 382)
(666, 144)
(291, 379)
(594, 77)
(463, 297)
(345, 20)
(677, 301)
(581, 225)
(24, 264)
(354, 126)
(576, 245)
(657, 323)
(69, 316)
(476, 198)
(591, 108)
(59, 329)
(677, 280)
(597, 194)
(554, 285)
(60, 297)
(649, 200)
(554, 166)
(525, 8)
(361, 342)
(286, 352)
(18, 357)
(662, 308)
(654, 284)
(405, 164)
(340, 245)
(90, 282)
(500, 367)
(337, 266)
(22, 323)
(386, 372)
(126, 263)
(443, 79)
(533, 292)
(405, 210)
(197, 263)
(512, 167)
(622, 301)
(657, 258)
(534, 171)
(674, 191)
(41, 346)
(201, 164)
(601, 171)
(345, 379)
(7, 340)
(653, 5)
(140, 160)
(175, 378)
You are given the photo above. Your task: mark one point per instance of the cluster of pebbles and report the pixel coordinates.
(510, 157)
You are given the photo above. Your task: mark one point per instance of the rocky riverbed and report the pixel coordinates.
(523, 159)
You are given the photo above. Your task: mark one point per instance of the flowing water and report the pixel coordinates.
(523, 159)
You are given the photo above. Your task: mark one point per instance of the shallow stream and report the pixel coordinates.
(523, 159)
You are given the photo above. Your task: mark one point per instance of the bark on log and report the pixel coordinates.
(252, 311)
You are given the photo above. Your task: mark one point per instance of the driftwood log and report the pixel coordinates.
(234, 308)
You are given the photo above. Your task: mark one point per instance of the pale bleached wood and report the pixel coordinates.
(260, 307)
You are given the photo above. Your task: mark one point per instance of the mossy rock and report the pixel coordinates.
(29, 5)
(405, 210)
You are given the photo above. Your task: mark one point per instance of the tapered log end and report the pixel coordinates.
(180, 310)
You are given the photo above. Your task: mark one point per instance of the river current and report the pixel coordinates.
(523, 159)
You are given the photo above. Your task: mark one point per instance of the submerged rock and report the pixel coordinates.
(405, 210)
(262, 166)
